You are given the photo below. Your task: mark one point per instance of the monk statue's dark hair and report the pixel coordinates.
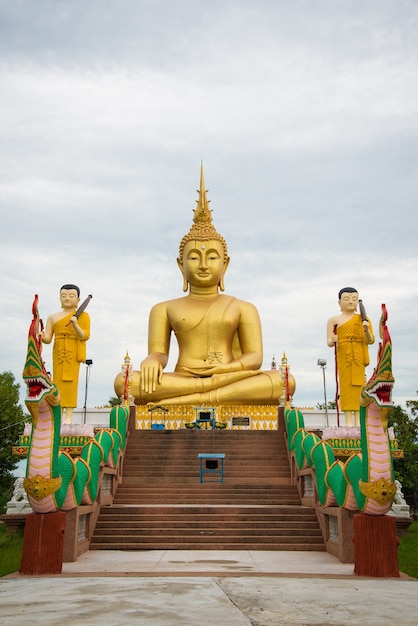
(69, 286)
(346, 290)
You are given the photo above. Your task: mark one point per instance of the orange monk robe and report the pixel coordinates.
(352, 360)
(67, 354)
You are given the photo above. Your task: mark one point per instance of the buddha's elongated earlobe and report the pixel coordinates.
(185, 281)
(221, 282)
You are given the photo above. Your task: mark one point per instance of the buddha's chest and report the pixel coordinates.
(201, 319)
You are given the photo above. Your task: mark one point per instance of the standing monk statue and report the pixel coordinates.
(350, 334)
(219, 337)
(70, 329)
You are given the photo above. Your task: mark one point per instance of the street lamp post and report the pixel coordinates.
(89, 363)
(323, 364)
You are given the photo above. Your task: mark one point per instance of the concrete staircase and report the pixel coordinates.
(162, 505)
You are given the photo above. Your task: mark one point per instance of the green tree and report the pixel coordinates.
(406, 432)
(331, 405)
(12, 418)
(114, 401)
(412, 405)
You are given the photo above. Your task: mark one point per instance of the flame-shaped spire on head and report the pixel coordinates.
(202, 228)
(202, 213)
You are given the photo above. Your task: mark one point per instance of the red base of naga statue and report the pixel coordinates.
(375, 546)
(43, 544)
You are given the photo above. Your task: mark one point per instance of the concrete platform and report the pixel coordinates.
(222, 588)
(206, 562)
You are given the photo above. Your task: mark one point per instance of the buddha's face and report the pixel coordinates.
(69, 298)
(203, 263)
(349, 302)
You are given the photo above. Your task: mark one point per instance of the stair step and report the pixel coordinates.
(208, 521)
(191, 526)
(208, 500)
(208, 511)
(169, 483)
(273, 546)
(204, 536)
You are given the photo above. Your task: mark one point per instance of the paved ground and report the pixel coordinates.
(222, 588)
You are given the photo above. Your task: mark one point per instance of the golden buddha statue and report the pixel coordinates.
(219, 337)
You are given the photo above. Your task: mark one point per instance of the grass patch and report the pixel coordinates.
(11, 545)
(408, 552)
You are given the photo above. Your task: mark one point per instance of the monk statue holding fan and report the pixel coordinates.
(350, 333)
(70, 329)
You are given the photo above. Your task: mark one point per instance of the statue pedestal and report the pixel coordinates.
(375, 546)
(401, 510)
(229, 416)
(43, 544)
(402, 514)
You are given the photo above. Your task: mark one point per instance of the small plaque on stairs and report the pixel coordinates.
(241, 421)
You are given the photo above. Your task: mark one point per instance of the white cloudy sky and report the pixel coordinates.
(305, 114)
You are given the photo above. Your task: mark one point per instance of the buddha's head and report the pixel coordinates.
(203, 239)
(348, 299)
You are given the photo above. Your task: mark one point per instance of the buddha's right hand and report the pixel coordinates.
(151, 374)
